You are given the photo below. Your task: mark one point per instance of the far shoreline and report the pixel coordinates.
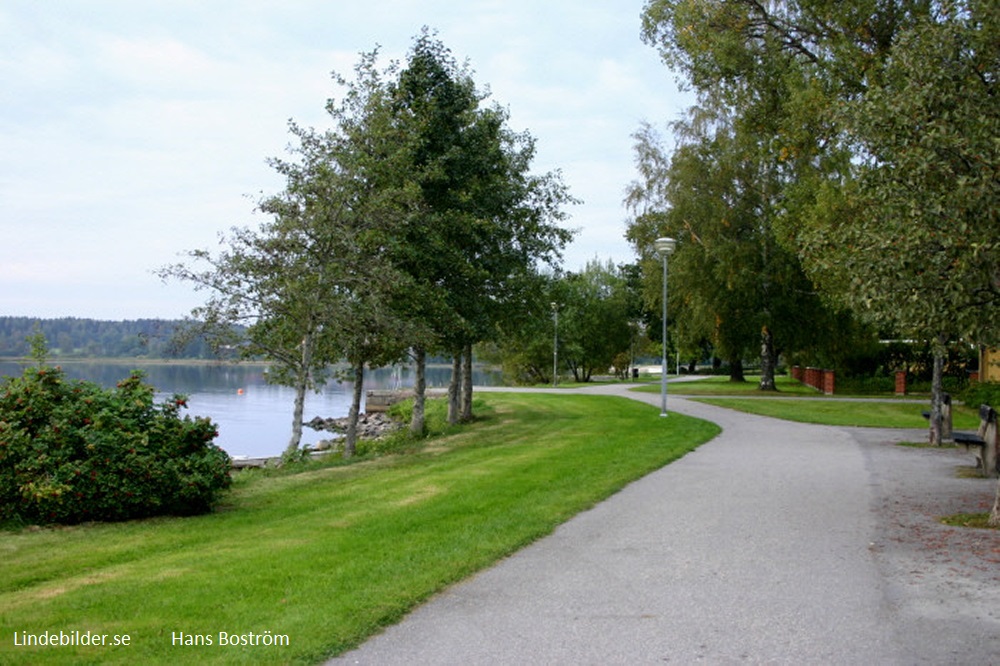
(126, 360)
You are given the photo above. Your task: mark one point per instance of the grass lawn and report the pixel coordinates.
(719, 385)
(828, 410)
(845, 413)
(324, 558)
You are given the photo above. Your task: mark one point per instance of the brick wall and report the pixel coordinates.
(819, 379)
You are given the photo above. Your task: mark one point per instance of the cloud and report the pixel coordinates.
(130, 132)
(174, 67)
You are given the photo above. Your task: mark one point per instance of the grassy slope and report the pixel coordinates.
(329, 556)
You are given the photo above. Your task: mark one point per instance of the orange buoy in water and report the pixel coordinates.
(239, 391)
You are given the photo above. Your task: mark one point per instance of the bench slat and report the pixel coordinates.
(968, 439)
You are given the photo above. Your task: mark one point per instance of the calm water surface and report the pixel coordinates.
(254, 417)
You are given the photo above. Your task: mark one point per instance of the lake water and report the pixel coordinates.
(254, 417)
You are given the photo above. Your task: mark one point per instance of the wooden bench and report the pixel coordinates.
(983, 442)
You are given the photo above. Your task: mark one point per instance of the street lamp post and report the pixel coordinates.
(555, 344)
(664, 248)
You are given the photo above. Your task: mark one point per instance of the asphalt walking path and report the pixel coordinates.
(766, 545)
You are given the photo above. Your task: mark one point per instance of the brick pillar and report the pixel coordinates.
(901, 382)
(828, 382)
(814, 377)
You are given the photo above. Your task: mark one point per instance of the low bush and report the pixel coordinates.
(980, 393)
(73, 451)
(952, 384)
(865, 385)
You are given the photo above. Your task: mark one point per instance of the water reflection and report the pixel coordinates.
(254, 417)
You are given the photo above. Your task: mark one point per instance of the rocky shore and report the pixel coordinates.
(370, 426)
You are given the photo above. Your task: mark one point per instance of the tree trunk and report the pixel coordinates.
(736, 371)
(994, 520)
(417, 426)
(767, 360)
(467, 384)
(455, 389)
(300, 400)
(937, 396)
(301, 385)
(351, 437)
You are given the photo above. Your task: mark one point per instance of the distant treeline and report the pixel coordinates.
(70, 337)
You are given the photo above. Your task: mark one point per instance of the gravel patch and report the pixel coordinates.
(942, 583)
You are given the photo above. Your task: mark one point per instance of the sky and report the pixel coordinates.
(133, 132)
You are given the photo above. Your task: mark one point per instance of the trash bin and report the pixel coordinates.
(635, 373)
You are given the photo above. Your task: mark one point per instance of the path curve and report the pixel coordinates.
(765, 545)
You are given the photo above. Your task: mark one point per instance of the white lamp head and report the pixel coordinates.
(664, 246)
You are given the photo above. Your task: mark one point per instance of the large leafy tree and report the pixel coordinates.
(732, 281)
(327, 197)
(884, 130)
(926, 199)
(277, 285)
(412, 223)
(594, 319)
(310, 286)
(482, 220)
(758, 129)
(524, 342)
(927, 195)
(585, 322)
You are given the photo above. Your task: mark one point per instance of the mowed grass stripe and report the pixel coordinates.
(869, 414)
(329, 556)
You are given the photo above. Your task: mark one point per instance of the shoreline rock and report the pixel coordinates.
(370, 426)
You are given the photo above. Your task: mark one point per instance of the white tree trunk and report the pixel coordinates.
(937, 397)
(767, 360)
(301, 386)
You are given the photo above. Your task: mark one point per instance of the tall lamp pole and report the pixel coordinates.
(555, 343)
(664, 247)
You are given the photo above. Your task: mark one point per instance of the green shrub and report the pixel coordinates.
(955, 385)
(72, 451)
(865, 385)
(979, 393)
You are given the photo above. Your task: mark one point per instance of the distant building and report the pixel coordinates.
(989, 364)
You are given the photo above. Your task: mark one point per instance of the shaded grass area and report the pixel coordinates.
(845, 413)
(332, 554)
(975, 520)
